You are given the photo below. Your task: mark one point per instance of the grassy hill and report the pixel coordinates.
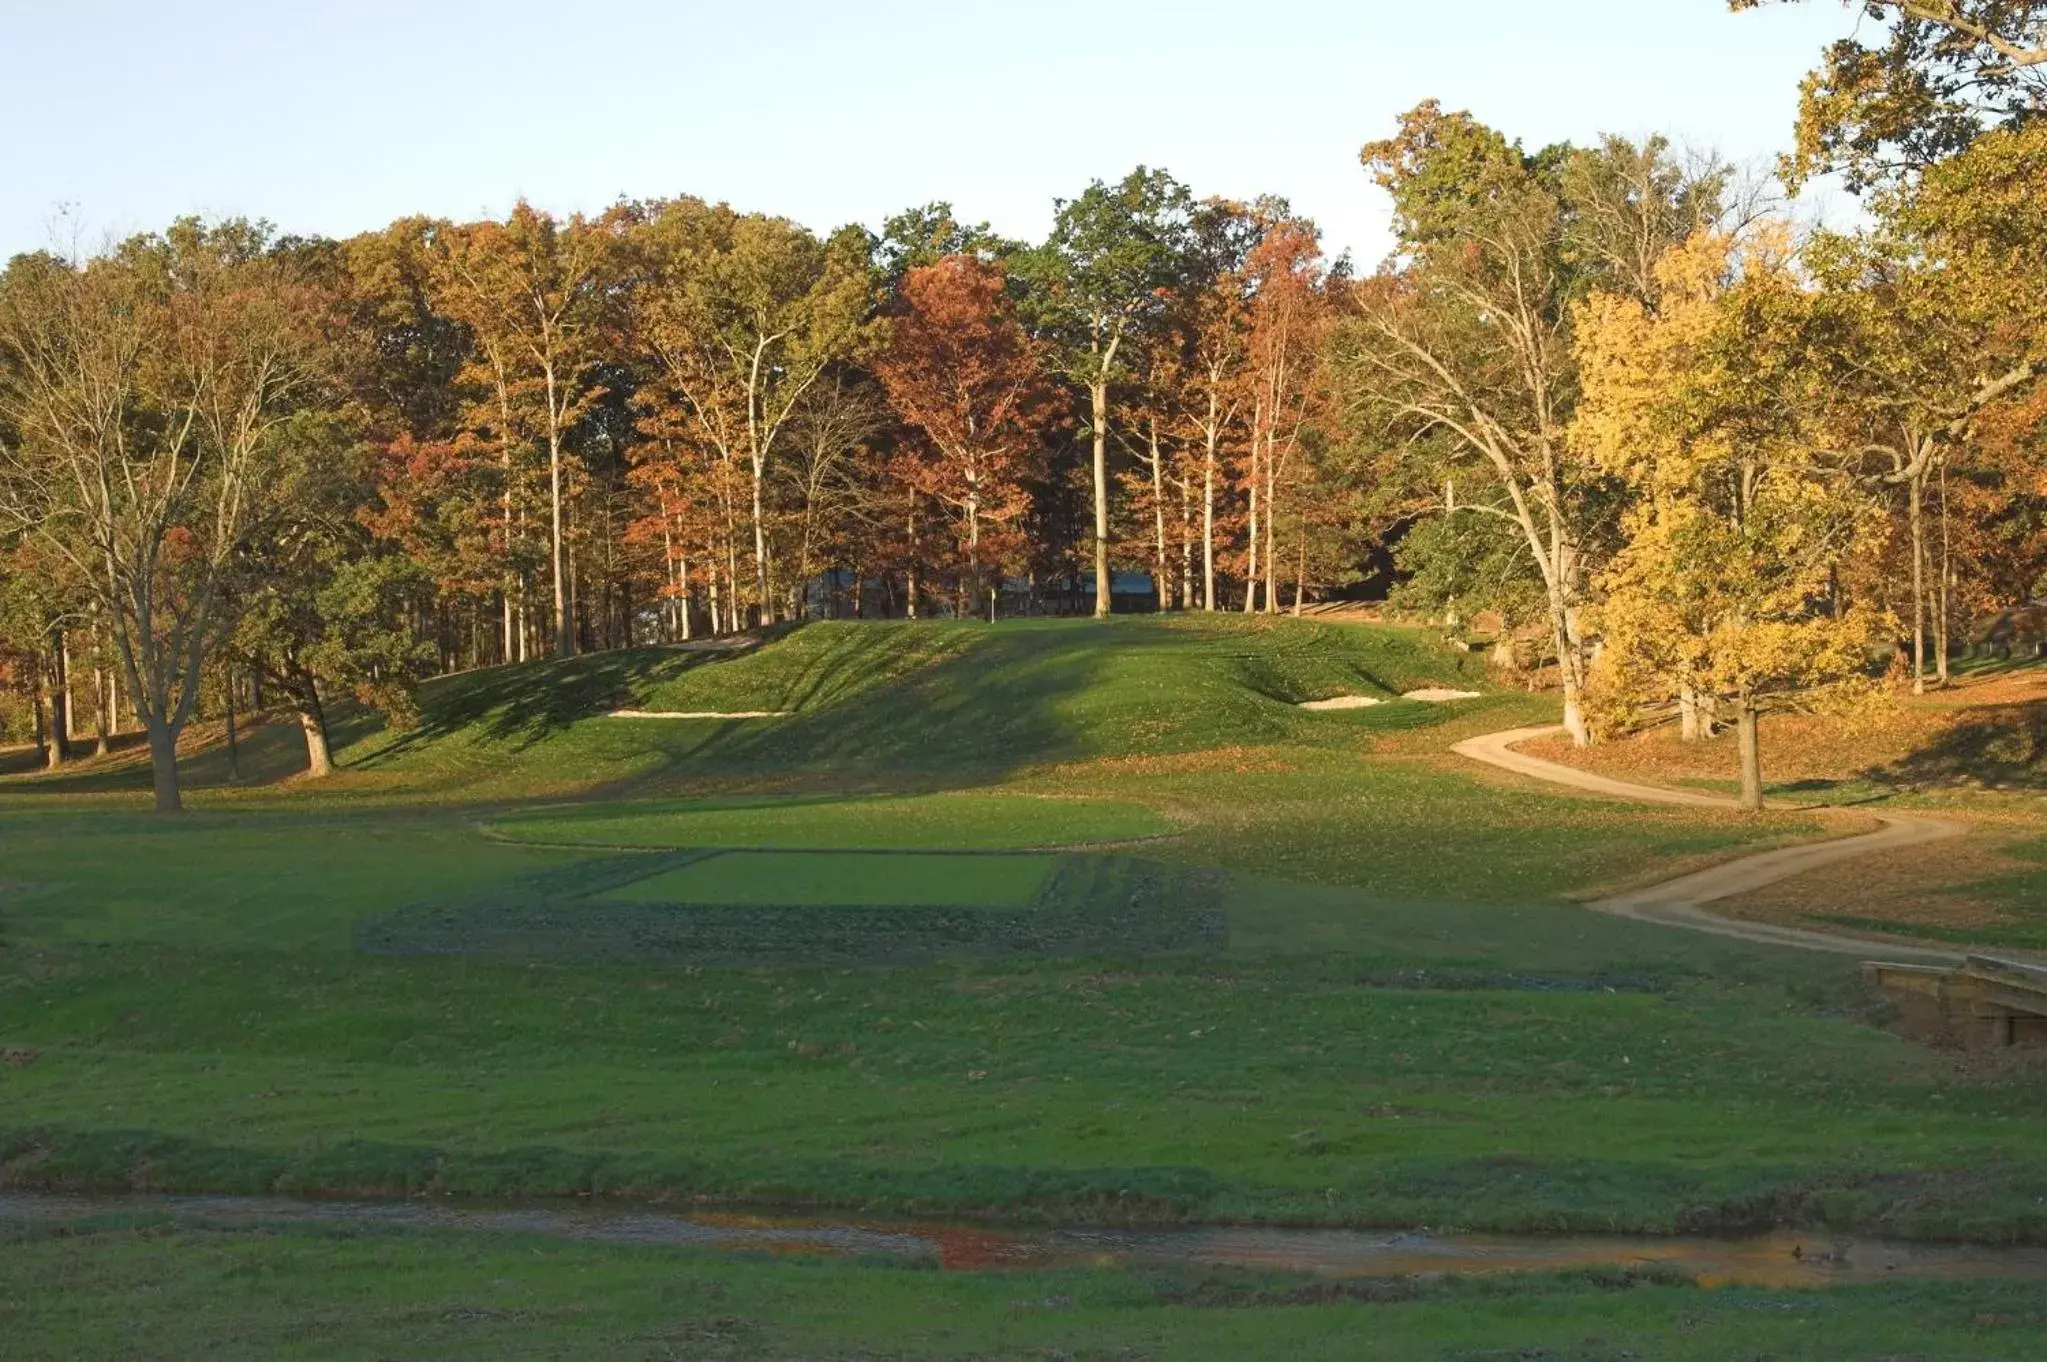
(938, 698)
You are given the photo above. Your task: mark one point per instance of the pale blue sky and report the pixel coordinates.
(336, 117)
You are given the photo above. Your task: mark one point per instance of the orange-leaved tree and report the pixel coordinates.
(960, 369)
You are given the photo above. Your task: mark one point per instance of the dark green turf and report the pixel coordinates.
(828, 879)
(727, 907)
(966, 820)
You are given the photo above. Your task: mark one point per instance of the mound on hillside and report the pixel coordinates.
(932, 696)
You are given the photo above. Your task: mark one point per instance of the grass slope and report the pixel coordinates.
(1407, 1020)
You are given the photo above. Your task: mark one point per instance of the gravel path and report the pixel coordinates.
(1680, 902)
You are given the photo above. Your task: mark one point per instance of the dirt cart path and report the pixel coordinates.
(1681, 902)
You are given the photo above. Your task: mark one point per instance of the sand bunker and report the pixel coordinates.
(1343, 702)
(1436, 695)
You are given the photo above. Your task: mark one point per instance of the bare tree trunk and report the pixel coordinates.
(668, 567)
(313, 723)
(1944, 604)
(57, 749)
(35, 704)
(1301, 572)
(1251, 546)
(1208, 525)
(1186, 539)
(760, 546)
(910, 569)
(1271, 517)
(1916, 518)
(1099, 393)
(1747, 724)
(234, 746)
(1161, 588)
(103, 707)
(682, 599)
(163, 764)
(564, 638)
(1687, 713)
(733, 615)
(974, 552)
(64, 685)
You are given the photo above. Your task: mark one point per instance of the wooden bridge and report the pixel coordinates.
(1983, 1000)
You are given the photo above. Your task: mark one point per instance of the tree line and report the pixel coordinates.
(1706, 462)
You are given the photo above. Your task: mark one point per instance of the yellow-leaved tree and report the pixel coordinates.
(1729, 588)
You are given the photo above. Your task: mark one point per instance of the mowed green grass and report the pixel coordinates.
(828, 879)
(953, 819)
(1410, 1022)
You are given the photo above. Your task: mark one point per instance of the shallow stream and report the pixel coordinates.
(1778, 1260)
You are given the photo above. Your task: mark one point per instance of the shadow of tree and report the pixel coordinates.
(2003, 747)
(523, 704)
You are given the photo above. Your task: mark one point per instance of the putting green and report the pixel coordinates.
(964, 822)
(845, 879)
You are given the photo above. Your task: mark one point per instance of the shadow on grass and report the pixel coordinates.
(2004, 748)
(524, 703)
(268, 751)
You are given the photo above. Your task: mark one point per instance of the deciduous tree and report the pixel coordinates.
(960, 369)
(1098, 283)
(145, 391)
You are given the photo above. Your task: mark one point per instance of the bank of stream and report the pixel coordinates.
(1782, 1261)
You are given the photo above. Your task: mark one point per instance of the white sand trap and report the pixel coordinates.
(1436, 695)
(701, 714)
(1343, 702)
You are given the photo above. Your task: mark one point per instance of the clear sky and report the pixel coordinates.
(334, 116)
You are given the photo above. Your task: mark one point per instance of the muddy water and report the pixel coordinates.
(1779, 1260)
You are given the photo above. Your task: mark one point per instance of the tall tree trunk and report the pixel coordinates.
(1301, 572)
(1099, 393)
(313, 723)
(564, 638)
(1161, 589)
(1943, 604)
(1917, 520)
(163, 763)
(668, 567)
(1208, 523)
(57, 749)
(1186, 539)
(1571, 674)
(974, 552)
(1251, 538)
(234, 746)
(1747, 725)
(64, 685)
(760, 546)
(1687, 713)
(35, 704)
(1271, 515)
(910, 568)
(103, 707)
